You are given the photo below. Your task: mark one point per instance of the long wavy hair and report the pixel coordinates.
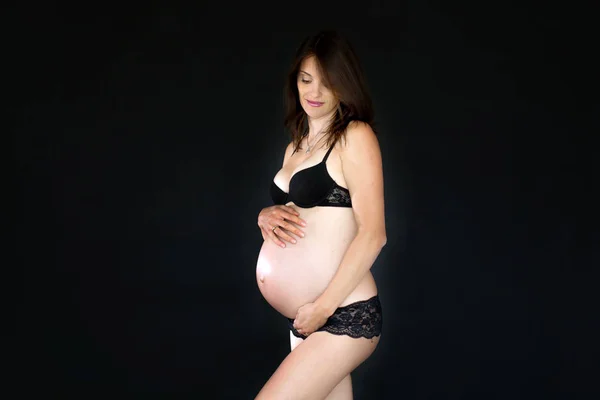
(341, 73)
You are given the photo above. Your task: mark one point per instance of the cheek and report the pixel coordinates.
(300, 93)
(333, 102)
(331, 99)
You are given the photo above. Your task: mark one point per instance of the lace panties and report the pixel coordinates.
(360, 319)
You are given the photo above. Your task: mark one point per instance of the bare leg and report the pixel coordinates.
(316, 366)
(343, 391)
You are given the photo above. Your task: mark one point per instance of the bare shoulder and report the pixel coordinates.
(289, 149)
(288, 152)
(359, 138)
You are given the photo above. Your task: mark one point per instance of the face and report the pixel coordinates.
(317, 100)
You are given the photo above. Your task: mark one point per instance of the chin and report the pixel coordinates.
(316, 113)
(312, 113)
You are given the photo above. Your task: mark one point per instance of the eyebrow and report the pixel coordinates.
(304, 72)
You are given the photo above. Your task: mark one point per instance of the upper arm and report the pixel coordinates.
(363, 173)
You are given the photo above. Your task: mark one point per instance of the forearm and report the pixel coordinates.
(358, 259)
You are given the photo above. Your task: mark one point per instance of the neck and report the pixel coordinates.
(318, 125)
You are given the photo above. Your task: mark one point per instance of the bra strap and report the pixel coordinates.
(328, 152)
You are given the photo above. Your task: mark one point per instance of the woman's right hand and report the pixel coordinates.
(277, 222)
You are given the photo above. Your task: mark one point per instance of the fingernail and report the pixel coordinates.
(282, 245)
(302, 234)
(293, 240)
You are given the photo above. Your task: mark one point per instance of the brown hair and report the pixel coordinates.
(342, 73)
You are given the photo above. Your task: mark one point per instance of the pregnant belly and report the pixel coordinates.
(297, 274)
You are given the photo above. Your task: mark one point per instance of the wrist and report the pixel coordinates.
(326, 305)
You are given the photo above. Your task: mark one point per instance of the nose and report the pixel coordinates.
(316, 90)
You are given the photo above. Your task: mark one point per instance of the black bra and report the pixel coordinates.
(312, 187)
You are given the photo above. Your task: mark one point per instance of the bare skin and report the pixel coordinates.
(319, 368)
(280, 223)
(343, 390)
(294, 274)
(315, 257)
(297, 273)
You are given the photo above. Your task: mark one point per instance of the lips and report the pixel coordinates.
(315, 103)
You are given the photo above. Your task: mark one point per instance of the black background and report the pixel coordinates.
(144, 141)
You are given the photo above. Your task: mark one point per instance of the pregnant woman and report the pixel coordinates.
(327, 226)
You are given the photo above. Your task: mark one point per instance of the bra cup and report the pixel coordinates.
(311, 187)
(277, 195)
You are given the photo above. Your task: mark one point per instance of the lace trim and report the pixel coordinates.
(360, 319)
(338, 196)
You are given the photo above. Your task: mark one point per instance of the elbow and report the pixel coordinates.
(381, 240)
(377, 239)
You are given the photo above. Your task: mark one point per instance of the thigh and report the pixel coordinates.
(343, 390)
(316, 366)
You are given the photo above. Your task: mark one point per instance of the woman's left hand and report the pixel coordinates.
(309, 318)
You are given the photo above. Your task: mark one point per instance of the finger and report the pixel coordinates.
(275, 238)
(292, 228)
(287, 212)
(265, 231)
(299, 221)
(290, 210)
(295, 219)
(282, 234)
(282, 220)
(304, 332)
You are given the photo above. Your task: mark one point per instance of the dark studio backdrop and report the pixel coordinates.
(145, 139)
